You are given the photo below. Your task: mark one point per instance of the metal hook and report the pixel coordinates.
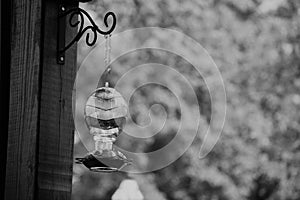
(63, 13)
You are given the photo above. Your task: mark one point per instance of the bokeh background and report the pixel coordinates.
(256, 45)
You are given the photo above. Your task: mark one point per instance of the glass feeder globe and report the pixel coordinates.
(105, 116)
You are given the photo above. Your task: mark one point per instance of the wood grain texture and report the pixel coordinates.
(56, 119)
(40, 136)
(24, 95)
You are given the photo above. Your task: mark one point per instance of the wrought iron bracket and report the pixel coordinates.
(91, 30)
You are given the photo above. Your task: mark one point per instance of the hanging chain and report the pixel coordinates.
(107, 58)
(107, 49)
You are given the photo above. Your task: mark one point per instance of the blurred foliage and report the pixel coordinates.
(256, 45)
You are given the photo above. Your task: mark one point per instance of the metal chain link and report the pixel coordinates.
(107, 58)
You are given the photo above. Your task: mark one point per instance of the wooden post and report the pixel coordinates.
(40, 127)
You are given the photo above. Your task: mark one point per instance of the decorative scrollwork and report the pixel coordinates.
(92, 28)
